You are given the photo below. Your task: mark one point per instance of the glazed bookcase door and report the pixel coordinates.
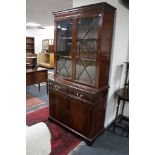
(86, 49)
(64, 48)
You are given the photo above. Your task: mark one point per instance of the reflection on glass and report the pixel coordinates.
(86, 48)
(64, 45)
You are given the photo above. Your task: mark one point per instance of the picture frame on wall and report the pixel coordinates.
(45, 45)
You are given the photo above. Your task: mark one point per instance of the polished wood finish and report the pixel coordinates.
(36, 76)
(74, 104)
(81, 110)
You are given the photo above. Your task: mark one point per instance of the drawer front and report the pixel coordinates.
(41, 76)
(29, 78)
(57, 87)
(80, 94)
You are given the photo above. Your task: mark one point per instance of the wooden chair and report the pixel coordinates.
(123, 95)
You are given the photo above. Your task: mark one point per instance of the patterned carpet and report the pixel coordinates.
(32, 101)
(40, 98)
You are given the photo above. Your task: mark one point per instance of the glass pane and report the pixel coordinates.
(85, 71)
(86, 48)
(64, 46)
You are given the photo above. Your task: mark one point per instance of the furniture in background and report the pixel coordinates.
(78, 91)
(47, 46)
(46, 60)
(123, 95)
(37, 76)
(31, 60)
(30, 45)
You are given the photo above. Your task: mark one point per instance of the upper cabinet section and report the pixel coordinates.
(83, 38)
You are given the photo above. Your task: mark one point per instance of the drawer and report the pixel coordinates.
(57, 87)
(29, 79)
(80, 94)
(41, 76)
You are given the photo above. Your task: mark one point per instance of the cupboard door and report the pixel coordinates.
(86, 49)
(79, 116)
(57, 104)
(64, 48)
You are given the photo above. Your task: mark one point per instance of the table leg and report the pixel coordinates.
(39, 87)
(47, 87)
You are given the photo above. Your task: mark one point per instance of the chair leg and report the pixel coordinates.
(123, 107)
(118, 103)
(115, 122)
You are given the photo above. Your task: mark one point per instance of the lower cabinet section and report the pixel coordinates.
(86, 119)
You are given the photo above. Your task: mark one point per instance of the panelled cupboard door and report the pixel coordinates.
(57, 105)
(79, 116)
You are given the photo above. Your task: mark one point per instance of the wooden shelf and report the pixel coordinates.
(86, 40)
(86, 59)
(30, 45)
(62, 56)
(30, 42)
(31, 57)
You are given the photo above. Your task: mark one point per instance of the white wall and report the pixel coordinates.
(77, 3)
(119, 53)
(39, 35)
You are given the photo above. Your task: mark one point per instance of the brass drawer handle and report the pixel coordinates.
(57, 87)
(78, 95)
(81, 96)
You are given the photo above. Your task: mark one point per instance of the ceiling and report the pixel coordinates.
(40, 11)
